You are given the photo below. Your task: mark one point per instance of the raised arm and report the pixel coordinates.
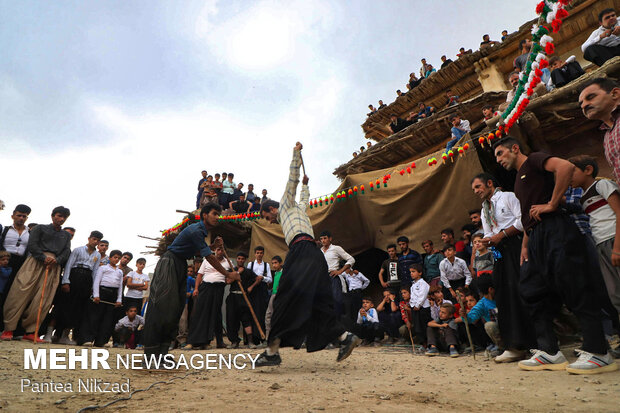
(288, 199)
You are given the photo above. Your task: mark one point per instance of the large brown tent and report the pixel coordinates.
(417, 206)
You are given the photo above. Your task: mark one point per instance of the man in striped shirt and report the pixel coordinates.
(303, 309)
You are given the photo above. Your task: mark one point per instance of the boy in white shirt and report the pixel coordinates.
(601, 201)
(420, 306)
(107, 296)
(454, 272)
(128, 329)
(137, 283)
(368, 323)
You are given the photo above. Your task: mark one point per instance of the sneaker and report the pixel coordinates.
(139, 347)
(265, 360)
(432, 351)
(347, 345)
(509, 356)
(31, 337)
(48, 338)
(6, 336)
(454, 352)
(262, 344)
(589, 363)
(544, 361)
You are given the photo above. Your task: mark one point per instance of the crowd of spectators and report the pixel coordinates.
(228, 194)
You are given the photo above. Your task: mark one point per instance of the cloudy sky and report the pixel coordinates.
(112, 108)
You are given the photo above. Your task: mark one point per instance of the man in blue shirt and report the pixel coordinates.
(169, 286)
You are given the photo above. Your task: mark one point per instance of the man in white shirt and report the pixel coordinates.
(107, 297)
(77, 287)
(357, 283)
(501, 222)
(333, 255)
(604, 42)
(206, 320)
(259, 290)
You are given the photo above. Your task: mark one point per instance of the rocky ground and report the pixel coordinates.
(375, 379)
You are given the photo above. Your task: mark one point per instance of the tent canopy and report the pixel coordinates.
(418, 205)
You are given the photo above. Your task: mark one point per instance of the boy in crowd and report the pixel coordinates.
(441, 332)
(406, 315)
(102, 248)
(388, 275)
(357, 283)
(488, 113)
(435, 294)
(431, 260)
(128, 329)
(419, 302)
(258, 292)
(485, 309)
(389, 315)
(187, 309)
(137, 282)
(368, 325)
(5, 273)
(484, 260)
(237, 310)
(107, 297)
(601, 201)
(454, 271)
(276, 265)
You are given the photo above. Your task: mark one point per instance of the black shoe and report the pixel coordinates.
(265, 360)
(347, 345)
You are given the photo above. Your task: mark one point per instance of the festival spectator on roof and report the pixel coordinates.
(201, 188)
(451, 98)
(238, 191)
(264, 197)
(413, 80)
(487, 42)
(241, 206)
(397, 124)
(362, 148)
(399, 93)
(445, 61)
(354, 154)
(564, 72)
(425, 111)
(423, 69)
(250, 195)
(429, 70)
(208, 193)
(525, 46)
(504, 34)
(228, 189)
(372, 110)
(381, 104)
(604, 42)
(460, 127)
(488, 113)
(513, 79)
(369, 144)
(462, 52)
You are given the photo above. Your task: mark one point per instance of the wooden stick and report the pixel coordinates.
(183, 212)
(101, 301)
(303, 167)
(247, 301)
(411, 338)
(36, 329)
(471, 342)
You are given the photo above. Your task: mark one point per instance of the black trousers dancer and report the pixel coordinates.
(102, 317)
(73, 306)
(559, 271)
(515, 324)
(166, 302)
(206, 320)
(304, 305)
(237, 312)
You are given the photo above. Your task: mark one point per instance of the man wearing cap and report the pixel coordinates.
(77, 285)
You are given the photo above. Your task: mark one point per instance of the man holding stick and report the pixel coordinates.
(304, 306)
(168, 288)
(37, 279)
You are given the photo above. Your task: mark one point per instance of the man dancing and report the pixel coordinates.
(168, 289)
(304, 306)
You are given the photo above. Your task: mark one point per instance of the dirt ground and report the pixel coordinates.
(375, 379)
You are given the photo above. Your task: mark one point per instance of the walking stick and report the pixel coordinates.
(36, 329)
(247, 301)
(411, 338)
(303, 167)
(101, 301)
(471, 342)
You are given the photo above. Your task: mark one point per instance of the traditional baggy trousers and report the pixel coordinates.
(72, 312)
(166, 301)
(206, 320)
(24, 297)
(304, 305)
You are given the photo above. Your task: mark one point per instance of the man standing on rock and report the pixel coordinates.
(304, 306)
